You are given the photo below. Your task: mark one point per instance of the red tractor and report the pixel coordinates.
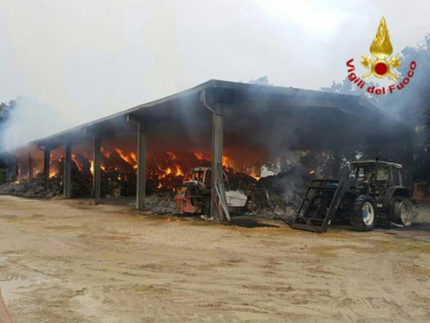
(195, 193)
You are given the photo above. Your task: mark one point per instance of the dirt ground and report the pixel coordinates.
(70, 261)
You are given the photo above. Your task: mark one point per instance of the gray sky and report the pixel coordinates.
(79, 60)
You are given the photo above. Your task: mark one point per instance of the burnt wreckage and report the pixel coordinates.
(233, 128)
(371, 192)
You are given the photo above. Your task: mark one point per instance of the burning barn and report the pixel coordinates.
(253, 133)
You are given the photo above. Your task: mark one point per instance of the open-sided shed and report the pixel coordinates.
(218, 114)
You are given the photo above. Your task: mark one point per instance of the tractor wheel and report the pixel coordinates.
(401, 211)
(364, 213)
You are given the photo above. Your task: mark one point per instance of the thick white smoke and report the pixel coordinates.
(81, 60)
(28, 121)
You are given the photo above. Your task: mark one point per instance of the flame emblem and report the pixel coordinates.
(381, 49)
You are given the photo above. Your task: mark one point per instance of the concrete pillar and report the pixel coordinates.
(141, 167)
(46, 165)
(30, 167)
(217, 150)
(12, 169)
(67, 180)
(16, 169)
(97, 176)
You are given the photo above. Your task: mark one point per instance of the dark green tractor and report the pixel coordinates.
(372, 193)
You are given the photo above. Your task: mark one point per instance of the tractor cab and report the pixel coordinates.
(200, 176)
(376, 171)
(376, 177)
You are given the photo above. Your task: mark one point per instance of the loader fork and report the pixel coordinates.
(319, 205)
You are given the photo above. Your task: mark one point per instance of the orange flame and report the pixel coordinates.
(179, 171)
(102, 167)
(78, 164)
(130, 159)
(254, 174)
(105, 152)
(198, 155)
(171, 155)
(225, 161)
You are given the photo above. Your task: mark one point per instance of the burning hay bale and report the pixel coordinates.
(34, 188)
(270, 196)
(81, 185)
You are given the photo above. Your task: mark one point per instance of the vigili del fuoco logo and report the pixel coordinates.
(381, 64)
